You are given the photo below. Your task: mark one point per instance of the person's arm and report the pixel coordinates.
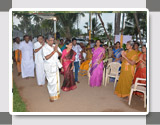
(60, 54)
(62, 69)
(50, 55)
(113, 55)
(128, 60)
(72, 65)
(57, 49)
(104, 56)
(36, 50)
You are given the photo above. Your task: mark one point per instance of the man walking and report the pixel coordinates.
(51, 67)
(16, 51)
(27, 64)
(39, 62)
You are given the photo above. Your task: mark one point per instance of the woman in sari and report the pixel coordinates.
(141, 69)
(136, 48)
(96, 71)
(116, 56)
(129, 59)
(67, 60)
(117, 53)
(85, 65)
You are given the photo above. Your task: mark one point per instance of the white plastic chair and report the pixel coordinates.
(112, 71)
(109, 60)
(89, 72)
(138, 87)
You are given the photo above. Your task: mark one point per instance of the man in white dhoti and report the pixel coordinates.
(27, 64)
(39, 62)
(51, 67)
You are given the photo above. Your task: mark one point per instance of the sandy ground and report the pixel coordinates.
(82, 99)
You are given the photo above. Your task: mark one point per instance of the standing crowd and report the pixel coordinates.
(50, 58)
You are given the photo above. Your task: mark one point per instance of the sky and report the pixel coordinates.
(106, 17)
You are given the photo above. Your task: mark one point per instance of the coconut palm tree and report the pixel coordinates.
(136, 24)
(67, 22)
(117, 23)
(96, 28)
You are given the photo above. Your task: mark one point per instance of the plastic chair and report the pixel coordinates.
(138, 87)
(112, 70)
(89, 72)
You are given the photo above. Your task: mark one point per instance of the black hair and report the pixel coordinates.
(68, 42)
(70, 55)
(144, 46)
(136, 43)
(117, 42)
(74, 39)
(99, 40)
(61, 39)
(25, 36)
(40, 36)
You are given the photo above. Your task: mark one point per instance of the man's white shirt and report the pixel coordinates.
(78, 50)
(38, 55)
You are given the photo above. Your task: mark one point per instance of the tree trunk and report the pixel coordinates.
(104, 26)
(137, 25)
(67, 33)
(117, 23)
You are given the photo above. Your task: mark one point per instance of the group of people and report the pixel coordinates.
(49, 58)
(133, 65)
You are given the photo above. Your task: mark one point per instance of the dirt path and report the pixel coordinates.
(82, 99)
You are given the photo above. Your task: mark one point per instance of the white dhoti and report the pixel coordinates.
(27, 65)
(27, 68)
(40, 74)
(52, 75)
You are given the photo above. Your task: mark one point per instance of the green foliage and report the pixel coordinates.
(97, 28)
(18, 104)
(131, 28)
(124, 46)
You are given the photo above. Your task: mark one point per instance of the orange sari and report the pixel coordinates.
(126, 76)
(140, 72)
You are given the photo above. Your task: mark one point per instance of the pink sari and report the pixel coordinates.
(96, 71)
(67, 60)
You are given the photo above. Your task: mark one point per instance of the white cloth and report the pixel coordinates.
(126, 38)
(78, 50)
(15, 46)
(39, 63)
(84, 55)
(27, 64)
(52, 73)
(38, 55)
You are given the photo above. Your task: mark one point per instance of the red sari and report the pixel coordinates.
(140, 73)
(67, 60)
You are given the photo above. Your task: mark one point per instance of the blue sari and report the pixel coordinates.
(117, 54)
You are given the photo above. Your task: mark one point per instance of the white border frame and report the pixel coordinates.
(73, 113)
